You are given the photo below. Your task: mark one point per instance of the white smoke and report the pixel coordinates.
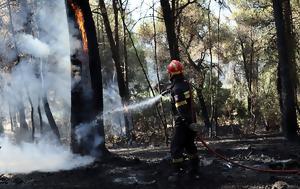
(111, 100)
(29, 45)
(151, 71)
(87, 136)
(44, 68)
(42, 156)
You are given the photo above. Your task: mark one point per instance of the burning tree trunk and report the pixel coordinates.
(87, 94)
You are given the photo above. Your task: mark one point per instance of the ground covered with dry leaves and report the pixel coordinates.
(148, 167)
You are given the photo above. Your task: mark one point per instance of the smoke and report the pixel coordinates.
(114, 122)
(36, 64)
(43, 65)
(151, 71)
(44, 156)
(29, 45)
(87, 136)
(113, 117)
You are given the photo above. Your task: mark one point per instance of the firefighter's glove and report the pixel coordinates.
(180, 121)
(166, 92)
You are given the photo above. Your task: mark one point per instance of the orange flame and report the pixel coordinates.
(80, 21)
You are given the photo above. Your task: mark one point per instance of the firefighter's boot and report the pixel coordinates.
(177, 171)
(193, 171)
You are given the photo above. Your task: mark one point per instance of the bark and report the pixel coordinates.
(41, 120)
(125, 53)
(203, 106)
(251, 74)
(114, 50)
(87, 108)
(211, 99)
(218, 74)
(169, 20)
(157, 74)
(50, 118)
(114, 46)
(32, 123)
(285, 71)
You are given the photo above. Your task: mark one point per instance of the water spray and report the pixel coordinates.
(135, 106)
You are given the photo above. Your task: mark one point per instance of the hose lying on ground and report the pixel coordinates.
(283, 171)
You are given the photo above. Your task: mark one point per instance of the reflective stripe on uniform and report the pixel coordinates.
(187, 94)
(181, 103)
(179, 160)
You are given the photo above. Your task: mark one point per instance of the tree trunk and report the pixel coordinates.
(286, 71)
(170, 29)
(22, 118)
(211, 98)
(87, 108)
(32, 123)
(41, 119)
(157, 74)
(50, 118)
(114, 50)
(114, 45)
(204, 111)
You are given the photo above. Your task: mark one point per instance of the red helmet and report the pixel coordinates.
(175, 67)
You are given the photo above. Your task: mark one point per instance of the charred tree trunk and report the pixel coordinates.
(32, 122)
(169, 20)
(285, 68)
(50, 118)
(41, 120)
(87, 108)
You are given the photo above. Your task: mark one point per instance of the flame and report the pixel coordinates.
(80, 21)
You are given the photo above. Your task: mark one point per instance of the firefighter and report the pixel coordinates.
(183, 138)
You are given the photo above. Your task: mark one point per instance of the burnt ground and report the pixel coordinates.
(148, 167)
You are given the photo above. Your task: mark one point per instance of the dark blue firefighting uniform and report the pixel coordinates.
(183, 139)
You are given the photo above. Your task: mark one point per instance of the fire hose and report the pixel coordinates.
(197, 128)
(284, 171)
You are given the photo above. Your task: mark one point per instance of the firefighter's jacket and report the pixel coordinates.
(182, 101)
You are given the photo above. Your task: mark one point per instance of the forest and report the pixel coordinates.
(149, 94)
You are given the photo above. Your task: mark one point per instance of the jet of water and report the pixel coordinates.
(135, 106)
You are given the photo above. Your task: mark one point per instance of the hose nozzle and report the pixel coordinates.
(166, 92)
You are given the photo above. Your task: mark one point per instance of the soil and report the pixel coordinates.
(148, 167)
